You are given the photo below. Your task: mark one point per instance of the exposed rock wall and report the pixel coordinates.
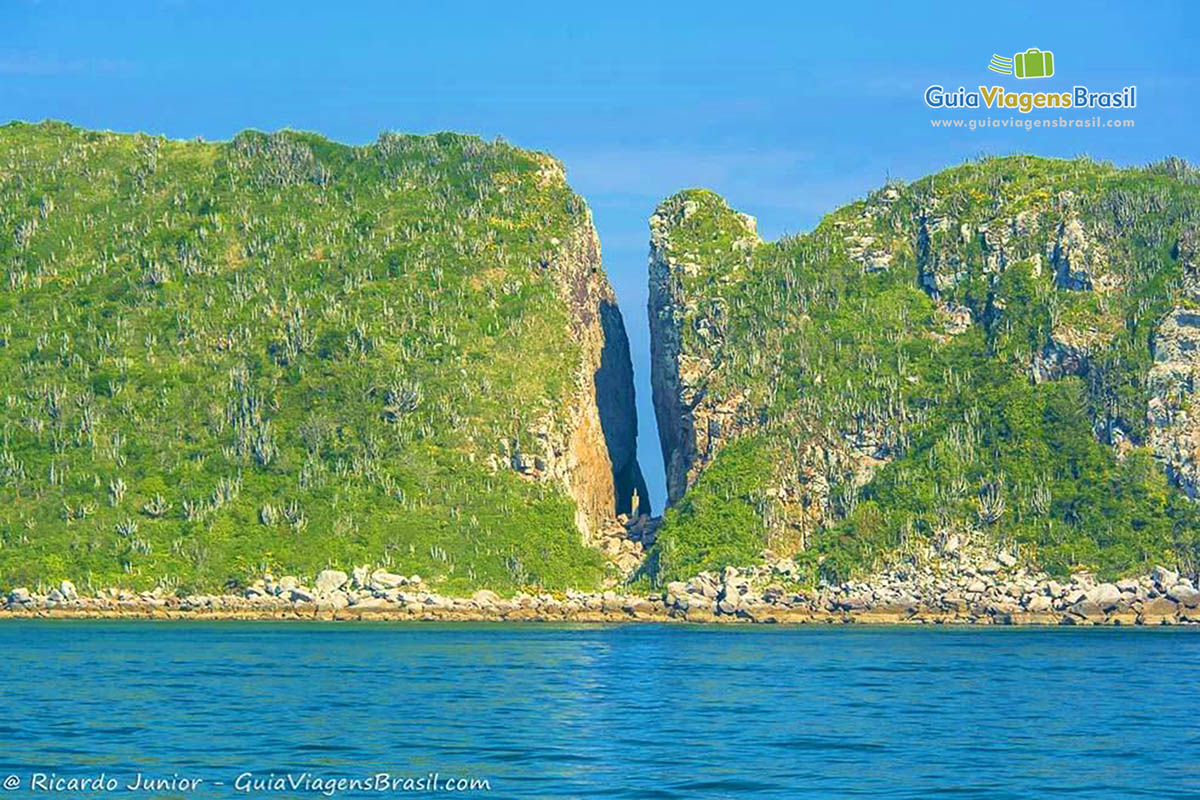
(599, 462)
(1046, 276)
(692, 422)
(1172, 413)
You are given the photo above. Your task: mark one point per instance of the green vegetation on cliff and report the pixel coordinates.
(279, 354)
(1002, 350)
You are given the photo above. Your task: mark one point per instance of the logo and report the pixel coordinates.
(1033, 63)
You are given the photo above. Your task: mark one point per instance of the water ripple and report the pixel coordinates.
(627, 712)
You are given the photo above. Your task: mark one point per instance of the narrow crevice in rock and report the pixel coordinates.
(616, 402)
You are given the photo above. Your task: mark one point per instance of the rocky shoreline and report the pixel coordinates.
(990, 593)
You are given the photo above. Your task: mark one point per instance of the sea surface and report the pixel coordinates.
(636, 711)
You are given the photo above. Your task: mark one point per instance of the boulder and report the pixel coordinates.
(1183, 594)
(1189, 614)
(299, 594)
(1158, 611)
(485, 598)
(1007, 559)
(1038, 603)
(361, 577)
(1164, 577)
(384, 580)
(330, 580)
(68, 590)
(335, 600)
(1087, 611)
(1105, 595)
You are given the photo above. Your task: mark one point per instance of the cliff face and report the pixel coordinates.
(280, 354)
(693, 422)
(992, 352)
(1174, 380)
(599, 465)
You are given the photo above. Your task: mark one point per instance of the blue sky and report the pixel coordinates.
(788, 111)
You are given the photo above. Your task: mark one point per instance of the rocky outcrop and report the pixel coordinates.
(693, 423)
(1172, 414)
(1037, 272)
(957, 587)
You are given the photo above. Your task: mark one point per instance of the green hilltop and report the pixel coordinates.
(1006, 349)
(279, 354)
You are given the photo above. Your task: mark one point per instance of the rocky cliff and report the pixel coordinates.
(598, 463)
(686, 340)
(281, 354)
(1005, 351)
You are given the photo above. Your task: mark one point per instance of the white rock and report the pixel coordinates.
(335, 600)
(1038, 603)
(382, 579)
(330, 580)
(361, 577)
(1164, 577)
(485, 597)
(1106, 596)
(1184, 594)
(68, 590)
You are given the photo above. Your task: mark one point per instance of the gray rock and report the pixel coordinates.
(1038, 603)
(330, 580)
(361, 577)
(299, 594)
(704, 587)
(976, 587)
(1159, 610)
(1007, 559)
(19, 597)
(382, 579)
(335, 600)
(1087, 610)
(1164, 577)
(1183, 594)
(287, 583)
(989, 568)
(1106, 596)
(68, 590)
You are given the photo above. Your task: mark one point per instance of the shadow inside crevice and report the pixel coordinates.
(616, 402)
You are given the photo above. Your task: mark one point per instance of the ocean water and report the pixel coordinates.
(588, 711)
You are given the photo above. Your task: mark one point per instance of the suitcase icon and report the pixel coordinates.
(1033, 63)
